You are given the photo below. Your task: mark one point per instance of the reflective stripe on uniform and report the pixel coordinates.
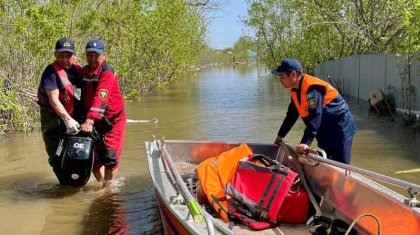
(97, 109)
(94, 79)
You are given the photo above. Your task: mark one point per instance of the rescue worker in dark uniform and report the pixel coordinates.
(104, 106)
(59, 100)
(323, 110)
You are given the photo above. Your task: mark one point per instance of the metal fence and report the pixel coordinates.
(360, 75)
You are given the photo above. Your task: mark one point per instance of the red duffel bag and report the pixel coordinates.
(261, 184)
(295, 207)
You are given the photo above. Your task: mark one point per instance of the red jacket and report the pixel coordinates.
(102, 96)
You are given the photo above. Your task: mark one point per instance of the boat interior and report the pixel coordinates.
(337, 193)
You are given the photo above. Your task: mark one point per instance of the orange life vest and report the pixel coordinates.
(303, 106)
(215, 172)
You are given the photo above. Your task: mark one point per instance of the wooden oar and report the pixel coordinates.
(408, 171)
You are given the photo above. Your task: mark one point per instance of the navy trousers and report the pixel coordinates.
(339, 153)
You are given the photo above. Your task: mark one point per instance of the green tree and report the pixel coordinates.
(210, 56)
(314, 31)
(241, 47)
(151, 44)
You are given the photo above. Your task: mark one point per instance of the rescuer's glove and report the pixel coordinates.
(73, 127)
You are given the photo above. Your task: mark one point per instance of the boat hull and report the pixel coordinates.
(170, 223)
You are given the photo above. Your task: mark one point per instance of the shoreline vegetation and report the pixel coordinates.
(152, 44)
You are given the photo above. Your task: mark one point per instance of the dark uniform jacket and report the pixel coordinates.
(323, 110)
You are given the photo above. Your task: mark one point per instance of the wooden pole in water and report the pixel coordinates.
(408, 171)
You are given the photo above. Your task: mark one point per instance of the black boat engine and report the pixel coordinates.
(77, 160)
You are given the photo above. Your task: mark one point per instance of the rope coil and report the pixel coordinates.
(361, 216)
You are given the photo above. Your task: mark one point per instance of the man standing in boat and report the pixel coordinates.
(326, 115)
(59, 100)
(104, 106)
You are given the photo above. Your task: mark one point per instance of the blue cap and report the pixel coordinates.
(287, 65)
(95, 45)
(64, 44)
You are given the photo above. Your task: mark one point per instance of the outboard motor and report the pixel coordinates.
(77, 160)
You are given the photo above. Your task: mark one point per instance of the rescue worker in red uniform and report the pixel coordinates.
(59, 100)
(104, 107)
(323, 110)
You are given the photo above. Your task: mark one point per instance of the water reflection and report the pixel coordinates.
(30, 189)
(248, 68)
(385, 146)
(105, 216)
(123, 213)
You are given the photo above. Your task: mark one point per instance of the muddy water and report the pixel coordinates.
(223, 104)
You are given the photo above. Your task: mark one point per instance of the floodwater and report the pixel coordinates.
(218, 104)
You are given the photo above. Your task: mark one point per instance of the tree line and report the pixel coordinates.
(319, 30)
(239, 52)
(150, 43)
